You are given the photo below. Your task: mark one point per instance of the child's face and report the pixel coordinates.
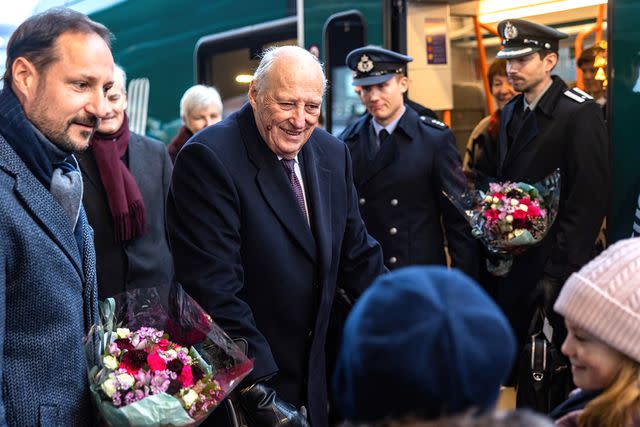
(594, 364)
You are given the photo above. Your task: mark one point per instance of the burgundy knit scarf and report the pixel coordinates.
(123, 194)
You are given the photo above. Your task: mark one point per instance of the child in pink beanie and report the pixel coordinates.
(601, 307)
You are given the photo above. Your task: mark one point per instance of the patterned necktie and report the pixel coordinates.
(289, 166)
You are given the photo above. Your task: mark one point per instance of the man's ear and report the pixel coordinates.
(253, 93)
(24, 78)
(403, 82)
(550, 61)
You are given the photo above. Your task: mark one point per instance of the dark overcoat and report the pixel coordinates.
(565, 131)
(144, 261)
(48, 301)
(400, 189)
(244, 251)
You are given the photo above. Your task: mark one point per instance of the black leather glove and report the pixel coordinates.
(265, 409)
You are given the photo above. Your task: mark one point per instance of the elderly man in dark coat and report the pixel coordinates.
(126, 180)
(59, 67)
(263, 222)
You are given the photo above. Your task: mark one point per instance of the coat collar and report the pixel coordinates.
(39, 201)
(276, 188)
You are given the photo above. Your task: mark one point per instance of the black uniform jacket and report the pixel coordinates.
(245, 252)
(400, 191)
(566, 131)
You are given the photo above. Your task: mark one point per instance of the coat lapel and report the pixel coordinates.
(527, 132)
(507, 115)
(274, 184)
(39, 201)
(385, 156)
(319, 197)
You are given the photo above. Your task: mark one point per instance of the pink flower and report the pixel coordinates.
(156, 363)
(186, 376)
(163, 344)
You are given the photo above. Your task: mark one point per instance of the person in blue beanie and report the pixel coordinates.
(425, 342)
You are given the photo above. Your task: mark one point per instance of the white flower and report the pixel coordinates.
(523, 207)
(510, 236)
(495, 200)
(126, 381)
(170, 354)
(123, 332)
(514, 202)
(494, 206)
(509, 218)
(488, 199)
(189, 398)
(109, 386)
(110, 363)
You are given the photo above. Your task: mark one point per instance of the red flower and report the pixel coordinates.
(133, 360)
(156, 363)
(534, 211)
(163, 344)
(519, 214)
(124, 344)
(186, 376)
(500, 196)
(525, 201)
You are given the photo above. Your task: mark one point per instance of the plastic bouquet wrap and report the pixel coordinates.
(160, 361)
(509, 217)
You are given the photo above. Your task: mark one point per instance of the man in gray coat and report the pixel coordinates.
(126, 179)
(59, 68)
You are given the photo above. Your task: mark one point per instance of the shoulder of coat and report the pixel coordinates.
(435, 123)
(577, 95)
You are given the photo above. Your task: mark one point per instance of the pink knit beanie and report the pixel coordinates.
(603, 298)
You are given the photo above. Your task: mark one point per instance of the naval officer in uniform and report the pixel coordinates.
(401, 164)
(547, 126)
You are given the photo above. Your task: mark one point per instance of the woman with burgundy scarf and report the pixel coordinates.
(126, 180)
(200, 106)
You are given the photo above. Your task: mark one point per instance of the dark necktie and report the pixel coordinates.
(289, 166)
(383, 135)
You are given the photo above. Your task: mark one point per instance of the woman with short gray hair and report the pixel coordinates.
(200, 106)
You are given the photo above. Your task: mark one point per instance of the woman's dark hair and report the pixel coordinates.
(36, 37)
(497, 68)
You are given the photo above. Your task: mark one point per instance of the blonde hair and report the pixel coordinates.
(619, 404)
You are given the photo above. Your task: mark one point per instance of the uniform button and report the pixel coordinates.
(393, 231)
(362, 201)
(393, 260)
(394, 202)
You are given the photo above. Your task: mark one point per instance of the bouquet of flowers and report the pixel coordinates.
(160, 362)
(510, 217)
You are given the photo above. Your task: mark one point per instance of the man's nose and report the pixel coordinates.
(98, 105)
(299, 117)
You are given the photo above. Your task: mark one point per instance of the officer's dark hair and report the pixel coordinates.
(546, 52)
(497, 68)
(35, 39)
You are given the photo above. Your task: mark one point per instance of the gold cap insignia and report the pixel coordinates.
(365, 65)
(510, 31)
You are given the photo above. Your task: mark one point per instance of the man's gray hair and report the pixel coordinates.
(197, 97)
(269, 56)
(123, 75)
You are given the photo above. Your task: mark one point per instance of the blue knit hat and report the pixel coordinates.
(423, 341)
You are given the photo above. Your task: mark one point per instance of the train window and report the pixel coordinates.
(228, 60)
(343, 32)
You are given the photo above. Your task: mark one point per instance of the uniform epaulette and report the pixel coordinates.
(577, 95)
(433, 122)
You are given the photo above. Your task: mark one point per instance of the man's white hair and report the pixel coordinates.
(117, 69)
(197, 97)
(269, 56)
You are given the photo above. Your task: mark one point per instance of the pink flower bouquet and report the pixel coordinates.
(156, 362)
(510, 217)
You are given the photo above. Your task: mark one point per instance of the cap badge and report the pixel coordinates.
(510, 31)
(365, 65)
